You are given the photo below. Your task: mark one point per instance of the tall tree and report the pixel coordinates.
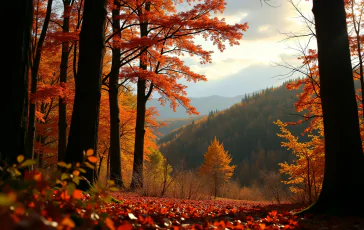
(344, 161)
(138, 177)
(124, 50)
(85, 115)
(127, 107)
(62, 106)
(37, 53)
(14, 122)
(115, 157)
(310, 102)
(172, 33)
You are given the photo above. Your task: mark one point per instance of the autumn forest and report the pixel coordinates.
(81, 149)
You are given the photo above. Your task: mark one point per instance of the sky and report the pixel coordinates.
(251, 66)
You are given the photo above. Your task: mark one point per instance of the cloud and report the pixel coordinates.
(221, 68)
(250, 52)
(263, 20)
(247, 80)
(248, 67)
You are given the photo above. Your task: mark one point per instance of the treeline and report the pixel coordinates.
(246, 130)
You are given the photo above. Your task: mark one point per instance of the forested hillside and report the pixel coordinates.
(247, 131)
(174, 123)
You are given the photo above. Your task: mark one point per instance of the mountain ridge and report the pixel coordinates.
(203, 105)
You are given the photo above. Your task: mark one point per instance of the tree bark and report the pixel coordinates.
(115, 158)
(215, 185)
(14, 120)
(62, 106)
(138, 177)
(85, 115)
(342, 190)
(34, 81)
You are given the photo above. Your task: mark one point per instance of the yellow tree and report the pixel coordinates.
(307, 170)
(217, 165)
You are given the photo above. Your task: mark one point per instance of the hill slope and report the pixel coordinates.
(174, 123)
(246, 129)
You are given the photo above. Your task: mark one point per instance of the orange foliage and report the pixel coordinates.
(171, 35)
(307, 170)
(127, 105)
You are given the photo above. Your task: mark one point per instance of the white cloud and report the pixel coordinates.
(234, 18)
(261, 46)
(263, 28)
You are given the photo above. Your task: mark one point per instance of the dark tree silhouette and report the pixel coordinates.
(16, 66)
(115, 158)
(138, 178)
(34, 82)
(62, 111)
(85, 115)
(342, 190)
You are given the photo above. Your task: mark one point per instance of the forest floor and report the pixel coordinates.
(136, 212)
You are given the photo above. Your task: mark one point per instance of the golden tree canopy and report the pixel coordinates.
(217, 162)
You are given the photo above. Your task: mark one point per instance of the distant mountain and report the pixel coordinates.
(247, 131)
(203, 105)
(174, 123)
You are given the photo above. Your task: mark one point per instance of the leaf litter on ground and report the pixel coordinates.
(137, 212)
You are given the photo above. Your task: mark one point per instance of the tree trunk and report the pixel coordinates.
(138, 177)
(100, 165)
(309, 181)
(215, 186)
(14, 120)
(115, 161)
(85, 114)
(34, 81)
(62, 106)
(342, 190)
(165, 177)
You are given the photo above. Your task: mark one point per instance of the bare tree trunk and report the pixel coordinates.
(83, 133)
(75, 46)
(309, 181)
(115, 151)
(166, 183)
(16, 66)
(34, 81)
(108, 166)
(62, 106)
(215, 185)
(100, 165)
(138, 178)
